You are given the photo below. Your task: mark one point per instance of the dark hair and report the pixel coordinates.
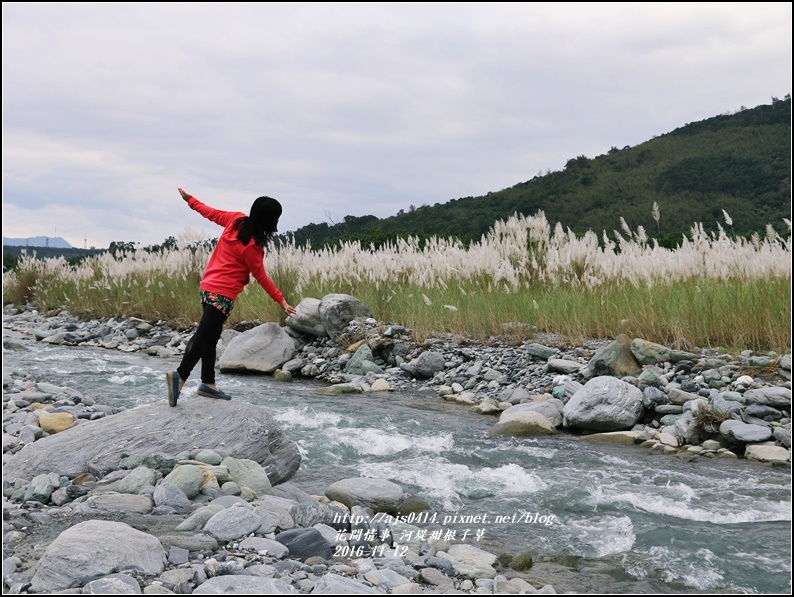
(261, 224)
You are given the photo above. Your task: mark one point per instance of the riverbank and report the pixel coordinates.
(396, 374)
(226, 534)
(684, 401)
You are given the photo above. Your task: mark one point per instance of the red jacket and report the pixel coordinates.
(232, 263)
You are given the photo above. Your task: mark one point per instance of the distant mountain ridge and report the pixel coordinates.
(38, 241)
(737, 164)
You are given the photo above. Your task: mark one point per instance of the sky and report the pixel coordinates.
(341, 108)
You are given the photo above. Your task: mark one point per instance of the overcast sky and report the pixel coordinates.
(343, 108)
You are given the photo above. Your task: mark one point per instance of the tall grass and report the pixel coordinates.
(713, 290)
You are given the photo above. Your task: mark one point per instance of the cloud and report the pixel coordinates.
(346, 108)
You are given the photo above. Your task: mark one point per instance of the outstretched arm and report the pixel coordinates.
(218, 216)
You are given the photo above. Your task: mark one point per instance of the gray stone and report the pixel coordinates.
(118, 503)
(377, 494)
(191, 542)
(238, 584)
(604, 404)
(96, 548)
(338, 310)
(262, 349)
(137, 479)
(362, 362)
(199, 518)
(563, 365)
(540, 351)
(113, 584)
(248, 473)
(628, 438)
(783, 436)
(333, 584)
(746, 433)
(245, 430)
(650, 353)
(766, 453)
(232, 523)
(210, 457)
(776, 396)
(187, 477)
(429, 363)
(517, 421)
(307, 318)
(170, 496)
(305, 543)
(680, 397)
(269, 546)
(470, 561)
(615, 359)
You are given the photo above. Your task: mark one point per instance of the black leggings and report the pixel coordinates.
(202, 345)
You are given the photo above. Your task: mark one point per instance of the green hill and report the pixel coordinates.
(739, 164)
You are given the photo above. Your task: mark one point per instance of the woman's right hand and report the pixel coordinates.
(185, 195)
(288, 309)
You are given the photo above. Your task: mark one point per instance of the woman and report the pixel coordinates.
(240, 252)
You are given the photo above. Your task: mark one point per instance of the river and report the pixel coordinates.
(596, 517)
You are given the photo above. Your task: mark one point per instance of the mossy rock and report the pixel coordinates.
(522, 561)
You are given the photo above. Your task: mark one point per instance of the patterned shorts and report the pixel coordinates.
(223, 303)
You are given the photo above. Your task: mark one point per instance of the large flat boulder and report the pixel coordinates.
(239, 429)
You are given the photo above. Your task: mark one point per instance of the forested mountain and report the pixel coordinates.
(739, 164)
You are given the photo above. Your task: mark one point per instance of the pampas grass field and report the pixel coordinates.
(523, 277)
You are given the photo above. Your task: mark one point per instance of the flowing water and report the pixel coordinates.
(597, 517)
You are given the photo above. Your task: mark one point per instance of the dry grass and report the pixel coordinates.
(712, 290)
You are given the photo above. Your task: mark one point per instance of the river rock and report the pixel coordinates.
(305, 543)
(237, 584)
(307, 318)
(776, 396)
(56, 422)
(520, 421)
(429, 363)
(233, 523)
(377, 494)
(262, 349)
(137, 479)
(248, 473)
(187, 477)
(470, 561)
(563, 365)
(334, 584)
(628, 438)
(338, 310)
(96, 548)
(746, 433)
(604, 404)
(767, 453)
(650, 353)
(540, 351)
(615, 359)
(244, 430)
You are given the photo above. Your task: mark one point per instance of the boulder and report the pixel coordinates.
(338, 310)
(242, 429)
(615, 359)
(604, 404)
(307, 318)
(262, 349)
(522, 421)
(96, 548)
(377, 494)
